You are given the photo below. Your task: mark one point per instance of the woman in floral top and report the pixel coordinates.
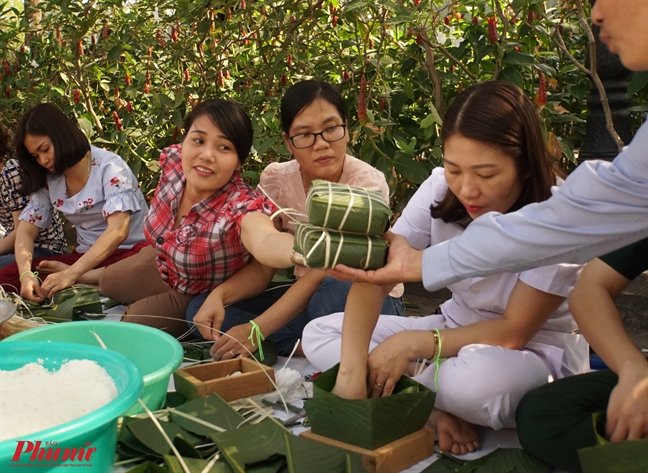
(50, 241)
(93, 188)
(205, 222)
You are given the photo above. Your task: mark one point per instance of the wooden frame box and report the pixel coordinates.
(391, 458)
(201, 380)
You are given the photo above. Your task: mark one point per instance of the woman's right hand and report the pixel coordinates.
(210, 316)
(30, 288)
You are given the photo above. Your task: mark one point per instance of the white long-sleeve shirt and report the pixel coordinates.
(601, 207)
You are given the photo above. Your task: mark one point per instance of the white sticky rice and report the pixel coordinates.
(34, 399)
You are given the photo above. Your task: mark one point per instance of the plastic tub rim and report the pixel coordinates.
(150, 378)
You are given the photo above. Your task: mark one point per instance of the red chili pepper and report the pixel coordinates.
(118, 123)
(293, 19)
(219, 78)
(492, 30)
(79, 48)
(116, 92)
(283, 80)
(105, 31)
(410, 32)
(8, 91)
(147, 88)
(531, 16)
(227, 74)
(160, 39)
(370, 44)
(417, 3)
(7, 69)
(174, 136)
(58, 34)
(475, 20)
(92, 39)
(419, 39)
(17, 66)
(187, 76)
(128, 80)
(229, 14)
(243, 6)
(540, 98)
(345, 76)
(148, 76)
(76, 96)
(174, 35)
(129, 107)
(381, 103)
(362, 101)
(290, 61)
(334, 20)
(332, 8)
(446, 20)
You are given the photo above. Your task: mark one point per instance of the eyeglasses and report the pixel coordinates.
(331, 134)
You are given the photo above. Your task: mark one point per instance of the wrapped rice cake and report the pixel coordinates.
(324, 249)
(347, 208)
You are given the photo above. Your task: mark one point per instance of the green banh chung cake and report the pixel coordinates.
(347, 208)
(322, 248)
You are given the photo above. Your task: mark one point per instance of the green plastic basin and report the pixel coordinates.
(155, 353)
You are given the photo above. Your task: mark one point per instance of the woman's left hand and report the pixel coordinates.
(387, 363)
(233, 344)
(56, 282)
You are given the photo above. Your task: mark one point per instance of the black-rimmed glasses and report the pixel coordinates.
(306, 140)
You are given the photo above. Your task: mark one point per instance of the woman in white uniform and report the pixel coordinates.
(499, 336)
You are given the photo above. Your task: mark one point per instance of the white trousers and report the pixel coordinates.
(483, 384)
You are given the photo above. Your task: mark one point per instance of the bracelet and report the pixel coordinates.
(435, 334)
(256, 333)
(35, 273)
(437, 360)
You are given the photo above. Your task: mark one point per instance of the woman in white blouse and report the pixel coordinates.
(500, 336)
(93, 188)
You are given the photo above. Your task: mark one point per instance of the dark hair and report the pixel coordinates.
(69, 142)
(5, 146)
(500, 115)
(304, 93)
(230, 118)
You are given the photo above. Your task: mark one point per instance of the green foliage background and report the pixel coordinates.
(146, 62)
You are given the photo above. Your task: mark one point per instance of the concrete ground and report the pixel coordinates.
(632, 304)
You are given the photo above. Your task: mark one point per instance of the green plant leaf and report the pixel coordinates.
(638, 82)
(195, 465)
(148, 467)
(410, 169)
(517, 58)
(307, 455)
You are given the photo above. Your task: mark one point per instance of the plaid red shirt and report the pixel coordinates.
(206, 248)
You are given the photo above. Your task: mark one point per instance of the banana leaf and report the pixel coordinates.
(148, 434)
(368, 423)
(314, 457)
(501, 460)
(613, 457)
(251, 444)
(195, 465)
(347, 208)
(212, 409)
(148, 467)
(79, 298)
(325, 248)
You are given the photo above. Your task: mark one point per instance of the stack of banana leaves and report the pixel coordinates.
(345, 225)
(210, 436)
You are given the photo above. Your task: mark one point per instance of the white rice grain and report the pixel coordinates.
(33, 399)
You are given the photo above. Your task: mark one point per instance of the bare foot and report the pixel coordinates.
(454, 435)
(351, 385)
(49, 267)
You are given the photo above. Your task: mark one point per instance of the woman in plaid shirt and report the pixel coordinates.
(204, 224)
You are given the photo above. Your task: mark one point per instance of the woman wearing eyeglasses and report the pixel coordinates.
(314, 123)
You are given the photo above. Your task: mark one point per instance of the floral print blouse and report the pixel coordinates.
(50, 238)
(112, 187)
